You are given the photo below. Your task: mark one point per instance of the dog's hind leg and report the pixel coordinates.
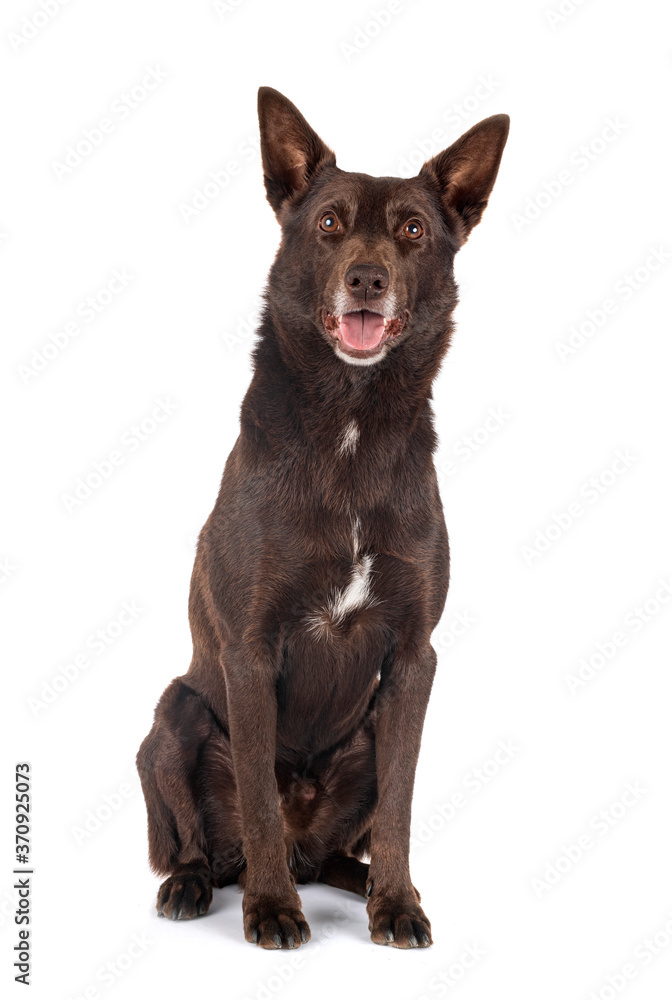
(167, 763)
(345, 872)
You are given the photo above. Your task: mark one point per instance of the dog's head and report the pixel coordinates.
(366, 263)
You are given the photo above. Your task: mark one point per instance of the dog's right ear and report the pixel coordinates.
(291, 152)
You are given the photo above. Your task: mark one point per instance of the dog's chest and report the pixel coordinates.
(335, 604)
(335, 645)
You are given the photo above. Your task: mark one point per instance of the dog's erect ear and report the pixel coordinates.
(465, 172)
(291, 152)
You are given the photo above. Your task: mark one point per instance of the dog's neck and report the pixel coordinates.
(308, 392)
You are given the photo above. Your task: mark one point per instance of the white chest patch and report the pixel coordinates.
(349, 439)
(357, 593)
(356, 539)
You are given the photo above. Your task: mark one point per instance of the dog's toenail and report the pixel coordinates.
(277, 941)
(425, 940)
(390, 936)
(413, 941)
(369, 888)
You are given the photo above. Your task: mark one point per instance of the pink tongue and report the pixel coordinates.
(362, 330)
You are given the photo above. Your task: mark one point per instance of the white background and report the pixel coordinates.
(180, 331)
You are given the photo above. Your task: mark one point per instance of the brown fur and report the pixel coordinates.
(287, 752)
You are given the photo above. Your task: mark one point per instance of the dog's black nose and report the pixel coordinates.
(366, 281)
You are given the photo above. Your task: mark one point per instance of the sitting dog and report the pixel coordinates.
(287, 752)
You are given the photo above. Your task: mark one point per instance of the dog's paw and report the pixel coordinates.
(182, 897)
(274, 923)
(398, 921)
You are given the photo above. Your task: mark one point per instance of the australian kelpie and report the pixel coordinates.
(287, 752)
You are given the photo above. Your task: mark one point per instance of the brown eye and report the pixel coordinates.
(329, 222)
(413, 229)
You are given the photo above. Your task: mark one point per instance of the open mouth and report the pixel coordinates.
(362, 333)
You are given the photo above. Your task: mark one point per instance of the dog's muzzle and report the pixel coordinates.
(362, 333)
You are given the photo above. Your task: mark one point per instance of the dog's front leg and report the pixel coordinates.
(395, 914)
(272, 914)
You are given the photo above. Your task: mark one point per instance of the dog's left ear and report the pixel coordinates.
(291, 152)
(465, 172)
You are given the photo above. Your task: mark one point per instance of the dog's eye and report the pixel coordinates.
(413, 229)
(329, 222)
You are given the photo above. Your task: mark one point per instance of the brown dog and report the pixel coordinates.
(288, 750)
